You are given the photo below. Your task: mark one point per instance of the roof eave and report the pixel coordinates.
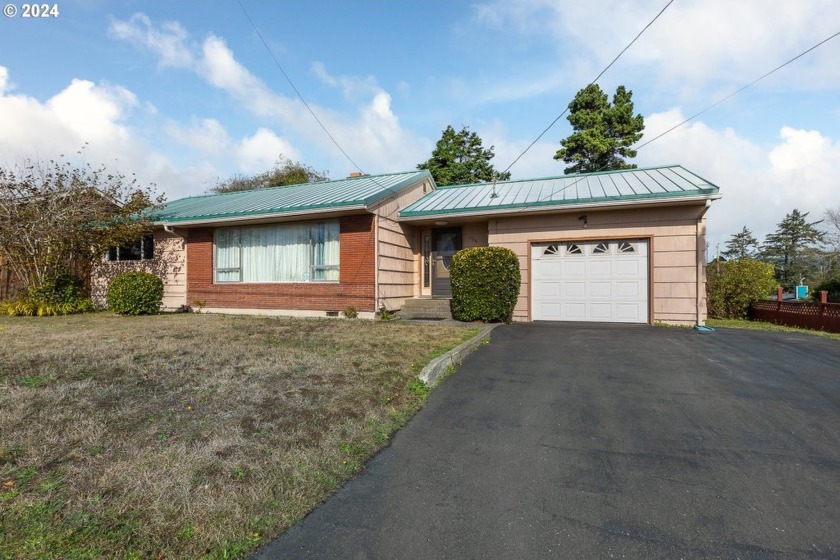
(263, 216)
(548, 209)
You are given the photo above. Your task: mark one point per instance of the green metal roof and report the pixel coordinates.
(327, 196)
(592, 189)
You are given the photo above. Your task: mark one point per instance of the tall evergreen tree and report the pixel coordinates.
(459, 158)
(603, 132)
(792, 247)
(741, 245)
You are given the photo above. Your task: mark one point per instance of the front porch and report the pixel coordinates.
(426, 308)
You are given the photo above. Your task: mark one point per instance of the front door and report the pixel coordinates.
(445, 243)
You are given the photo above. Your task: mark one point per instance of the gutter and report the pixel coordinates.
(547, 208)
(244, 218)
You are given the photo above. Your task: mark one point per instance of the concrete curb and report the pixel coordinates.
(435, 369)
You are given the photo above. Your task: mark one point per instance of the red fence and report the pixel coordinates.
(807, 315)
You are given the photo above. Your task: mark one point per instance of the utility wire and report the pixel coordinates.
(713, 105)
(305, 104)
(734, 93)
(630, 44)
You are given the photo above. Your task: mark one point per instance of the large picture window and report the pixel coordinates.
(278, 253)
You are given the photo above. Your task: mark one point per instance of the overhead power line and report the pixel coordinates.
(734, 93)
(608, 66)
(288, 79)
(713, 105)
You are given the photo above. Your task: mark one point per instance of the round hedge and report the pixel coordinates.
(485, 284)
(135, 293)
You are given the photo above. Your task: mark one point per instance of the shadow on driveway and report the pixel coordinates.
(585, 441)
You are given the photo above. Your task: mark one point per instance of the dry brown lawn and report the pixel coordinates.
(183, 436)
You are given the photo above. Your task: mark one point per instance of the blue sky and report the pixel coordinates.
(185, 93)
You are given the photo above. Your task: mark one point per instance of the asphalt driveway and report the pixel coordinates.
(564, 441)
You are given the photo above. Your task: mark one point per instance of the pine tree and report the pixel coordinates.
(603, 132)
(459, 158)
(741, 245)
(792, 246)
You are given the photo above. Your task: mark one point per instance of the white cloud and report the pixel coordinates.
(89, 118)
(372, 136)
(759, 184)
(4, 78)
(692, 48)
(207, 136)
(260, 151)
(169, 42)
(352, 87)
(93, 112)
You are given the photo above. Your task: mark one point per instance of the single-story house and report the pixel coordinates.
(617, 246)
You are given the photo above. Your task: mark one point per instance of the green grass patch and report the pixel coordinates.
(192, 435)
(763, 326)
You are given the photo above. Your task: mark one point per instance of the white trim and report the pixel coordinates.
(326, 212)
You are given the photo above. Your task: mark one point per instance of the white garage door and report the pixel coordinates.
(605, 281)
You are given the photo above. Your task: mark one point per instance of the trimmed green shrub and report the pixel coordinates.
(732, 285)
(831, 286)
(135, 293)
(56, 289)
(485, 284)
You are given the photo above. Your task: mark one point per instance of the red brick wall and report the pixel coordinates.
(355, 286)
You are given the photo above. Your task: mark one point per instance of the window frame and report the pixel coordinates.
(312, 267)
(146, 250)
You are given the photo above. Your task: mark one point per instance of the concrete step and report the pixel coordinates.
(426, 308)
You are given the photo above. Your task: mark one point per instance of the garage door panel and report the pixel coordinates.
(627, 290)
(601, 267)
(575, 290)
(627, 268)
(600, 290)
(627, 311)
(547, 289)
(600, 311)
(575, 268)
(575, 312)
(605, 281)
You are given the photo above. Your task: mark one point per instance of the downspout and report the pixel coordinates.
(376, 257)
(701, 264)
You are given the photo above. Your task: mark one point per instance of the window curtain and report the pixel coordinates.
(227, 255)
(325, 251)
(278, 253)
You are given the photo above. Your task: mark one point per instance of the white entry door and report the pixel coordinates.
(601, 281)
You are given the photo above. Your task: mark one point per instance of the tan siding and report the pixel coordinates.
(397, 264)
(169, 265)
(673, 232)
(474, 234)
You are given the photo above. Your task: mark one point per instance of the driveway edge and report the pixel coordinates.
(434, 370)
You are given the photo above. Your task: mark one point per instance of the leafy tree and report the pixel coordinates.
(792, 247)
(57, 218)
(285, 172)
(603, 131)
(459, 158)
(732, 285)
(741, 245)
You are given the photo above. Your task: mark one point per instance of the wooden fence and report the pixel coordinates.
(821, 316)
(8, 288)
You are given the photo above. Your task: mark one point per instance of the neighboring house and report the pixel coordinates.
(618, 246)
